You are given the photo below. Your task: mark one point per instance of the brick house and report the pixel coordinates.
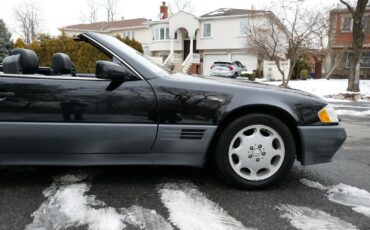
(340, 40)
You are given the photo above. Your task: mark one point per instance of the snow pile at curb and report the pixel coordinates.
(353, 113)
(335, 89)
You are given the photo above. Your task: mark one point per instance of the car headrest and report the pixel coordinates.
(28, 59)
(62, 64)
(12, 64)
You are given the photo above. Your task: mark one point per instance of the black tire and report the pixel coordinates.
(222, 162)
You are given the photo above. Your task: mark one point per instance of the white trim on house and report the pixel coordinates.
(103, 31)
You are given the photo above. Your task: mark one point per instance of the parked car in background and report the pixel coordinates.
(133, 112)
(228, 69)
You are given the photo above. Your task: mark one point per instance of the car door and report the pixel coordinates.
(75, 115)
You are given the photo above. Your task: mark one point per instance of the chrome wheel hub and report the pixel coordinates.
(256, 152)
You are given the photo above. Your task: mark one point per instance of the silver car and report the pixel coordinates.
(227, 69)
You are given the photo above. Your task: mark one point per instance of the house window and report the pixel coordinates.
(161, 33)
(129, 34)
(167, 33)
(364, 61)
(207, 29)
(347, 24)
(244, 26)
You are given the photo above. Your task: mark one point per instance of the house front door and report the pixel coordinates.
(186, 48)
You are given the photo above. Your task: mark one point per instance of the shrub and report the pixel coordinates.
(252, 77)
(19, 43)
(259, 73)
(82, 54)
(300, 65)
(303, 75)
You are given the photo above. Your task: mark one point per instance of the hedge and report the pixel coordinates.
(82, 54)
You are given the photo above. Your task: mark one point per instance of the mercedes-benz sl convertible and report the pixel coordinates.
(132, 112)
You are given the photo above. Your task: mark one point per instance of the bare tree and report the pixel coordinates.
(91, 15)
(323, 41)
(359, 32)
(182, 5)
(111, 9)
(287, 37)
(267, 37)
(29, 18)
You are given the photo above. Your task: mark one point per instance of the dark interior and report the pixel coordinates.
(26, 61)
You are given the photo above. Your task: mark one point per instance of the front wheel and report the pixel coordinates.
(255, 151)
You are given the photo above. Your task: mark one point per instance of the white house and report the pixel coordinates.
(191, 43)
(195, 43)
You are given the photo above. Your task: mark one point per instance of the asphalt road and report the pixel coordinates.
(21, 188)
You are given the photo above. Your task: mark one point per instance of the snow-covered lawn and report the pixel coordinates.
(326, 88)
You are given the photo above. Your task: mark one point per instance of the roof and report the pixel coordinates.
(345, 10)
(230, 12)
(104, 26)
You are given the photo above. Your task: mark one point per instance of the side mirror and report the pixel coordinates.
(112, 71)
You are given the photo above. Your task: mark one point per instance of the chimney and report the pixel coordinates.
(164, 11)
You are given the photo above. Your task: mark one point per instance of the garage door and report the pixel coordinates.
(209, 59)
(248, 60)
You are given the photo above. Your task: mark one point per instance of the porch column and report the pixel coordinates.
(171, 46)
(191, 45)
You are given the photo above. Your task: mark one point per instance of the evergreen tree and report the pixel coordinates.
(6, 44)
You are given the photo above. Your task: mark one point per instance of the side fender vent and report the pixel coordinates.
(192, 134)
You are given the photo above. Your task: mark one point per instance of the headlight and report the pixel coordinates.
(328, 115)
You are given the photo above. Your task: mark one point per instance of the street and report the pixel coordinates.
(181, 195)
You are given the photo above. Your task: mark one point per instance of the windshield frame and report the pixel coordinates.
(137, 62)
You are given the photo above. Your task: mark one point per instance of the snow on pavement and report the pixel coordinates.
(305, 218)
(190, 209)
(145, 218)
(68, 205)
(343, 194)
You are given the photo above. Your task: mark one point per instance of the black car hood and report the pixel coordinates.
(242, 83)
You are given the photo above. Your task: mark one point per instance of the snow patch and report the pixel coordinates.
(350, 106)
(305, 218)
(145, 218)
(68, 205)
(218, 12)
(353, 113)
(190, 209)
(313, 184)
(347, 195)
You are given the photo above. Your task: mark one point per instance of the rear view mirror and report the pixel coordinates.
(112, 71)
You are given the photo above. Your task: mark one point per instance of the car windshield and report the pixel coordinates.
(141, 58)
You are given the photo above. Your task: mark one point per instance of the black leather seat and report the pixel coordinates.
(62, 65)
(21, 61)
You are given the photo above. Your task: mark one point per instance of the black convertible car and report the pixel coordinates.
(132, 112)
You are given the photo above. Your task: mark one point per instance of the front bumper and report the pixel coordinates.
(320, 143)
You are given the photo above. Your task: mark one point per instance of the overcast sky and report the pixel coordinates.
(59, 13)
